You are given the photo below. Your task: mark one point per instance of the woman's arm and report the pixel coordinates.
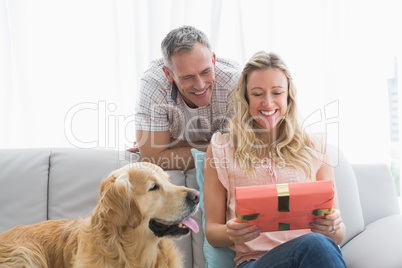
(218, 232)
(334, 220)
(215, 205)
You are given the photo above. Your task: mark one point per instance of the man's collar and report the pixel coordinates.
(174, 93)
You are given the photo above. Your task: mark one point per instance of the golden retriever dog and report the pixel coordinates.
(138, 213)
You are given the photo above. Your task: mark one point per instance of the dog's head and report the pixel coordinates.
(140, 194)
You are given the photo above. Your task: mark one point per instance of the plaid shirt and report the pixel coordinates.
(160, 106)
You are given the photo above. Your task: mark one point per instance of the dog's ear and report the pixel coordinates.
(117, 203)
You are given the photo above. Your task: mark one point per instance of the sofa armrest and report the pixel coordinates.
(378, 246)
(377, 191)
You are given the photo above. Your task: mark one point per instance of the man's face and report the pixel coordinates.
(194, 74)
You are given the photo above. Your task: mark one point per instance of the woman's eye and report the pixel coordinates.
(278, 93)
(154, 187)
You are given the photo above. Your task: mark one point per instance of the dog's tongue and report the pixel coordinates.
(191, 224)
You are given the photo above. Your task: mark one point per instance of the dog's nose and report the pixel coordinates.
(193, 196)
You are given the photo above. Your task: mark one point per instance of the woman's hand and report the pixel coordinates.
(240, 232)
(330, 226)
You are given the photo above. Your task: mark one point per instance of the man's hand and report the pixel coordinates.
(199, 145)
(134, 149)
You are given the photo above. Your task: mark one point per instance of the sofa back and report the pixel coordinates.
(377, 191)
(24, 176)
(348, 194)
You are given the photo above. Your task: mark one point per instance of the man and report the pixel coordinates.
(184, 98)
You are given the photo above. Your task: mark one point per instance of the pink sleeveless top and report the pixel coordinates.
(267, 172)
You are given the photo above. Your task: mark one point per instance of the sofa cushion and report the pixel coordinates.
(184, 244)
(348, 194)
(23, 171)
(379, 245)
(197, 239)
(74, 180)
(215, 257)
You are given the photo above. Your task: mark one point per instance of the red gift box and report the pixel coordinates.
(280, 207)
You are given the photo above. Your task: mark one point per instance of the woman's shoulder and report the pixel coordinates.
(318, 141)
(221, 140)
(318, 148)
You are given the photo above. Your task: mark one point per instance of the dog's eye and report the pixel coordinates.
(154, 187)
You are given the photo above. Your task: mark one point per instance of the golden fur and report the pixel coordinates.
(118, 232)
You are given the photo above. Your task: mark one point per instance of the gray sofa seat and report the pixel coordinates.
(57, 183)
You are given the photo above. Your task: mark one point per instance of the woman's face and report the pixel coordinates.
(267, 92)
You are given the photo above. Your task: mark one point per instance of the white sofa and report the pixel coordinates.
(42, 184)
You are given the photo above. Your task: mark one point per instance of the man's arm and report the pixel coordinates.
(158, 148)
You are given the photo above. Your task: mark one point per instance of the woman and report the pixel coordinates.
(265, 145)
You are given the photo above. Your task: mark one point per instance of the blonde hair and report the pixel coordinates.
(290, 148)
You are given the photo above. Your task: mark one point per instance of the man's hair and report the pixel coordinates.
(181, 39)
